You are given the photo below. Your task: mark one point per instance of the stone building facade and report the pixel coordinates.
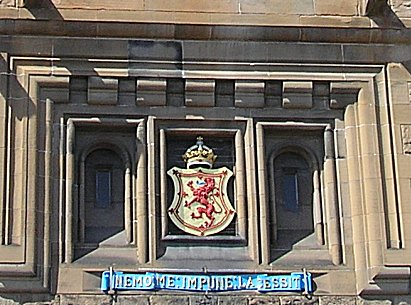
(307, 102)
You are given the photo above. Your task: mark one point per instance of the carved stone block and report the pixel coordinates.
(272, 300)
(132, 300)
(406, 138)
(300, 300)
(409, 91)
(85, 300)
(5, 3)
(249, 94)
(102, 91)
(298, 95)
(127, 91)
(57, 91)
(374, 302)
(335, 300)
(229, 300)
(151, 92)
(203, 300)
(169, 300)
(342, 95)
(200, 93)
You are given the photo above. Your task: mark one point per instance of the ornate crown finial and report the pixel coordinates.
(199, 155)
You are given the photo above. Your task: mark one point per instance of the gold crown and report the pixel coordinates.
(199, 155)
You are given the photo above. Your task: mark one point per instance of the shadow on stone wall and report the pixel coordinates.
(43, 9)
(383, 15)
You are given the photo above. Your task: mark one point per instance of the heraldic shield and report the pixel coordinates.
(200, 205)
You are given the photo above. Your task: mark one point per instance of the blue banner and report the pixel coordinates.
(294, 282)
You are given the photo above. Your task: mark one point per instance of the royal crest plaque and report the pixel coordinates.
(200, 205)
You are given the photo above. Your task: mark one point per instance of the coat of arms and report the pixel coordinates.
(200, 206)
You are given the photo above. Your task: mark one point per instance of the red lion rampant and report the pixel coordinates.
(204, 195)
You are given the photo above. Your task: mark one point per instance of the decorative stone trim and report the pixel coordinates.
(342, 95)
(200, 93)
(151, 92)
(102, 91)
(406, 139)
(249, 94)
(297, 95)
(55, 89)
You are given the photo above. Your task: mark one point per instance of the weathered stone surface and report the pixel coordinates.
(85, 300)
(341, 95)
(4, 301)
(5, 3)
(151, 92)
(299, 300)
(200, 93)
(373, 302)
(101, 4)
(406, 138)
(102, 91)
(278, 6)
(132, 300)
(203, 300)
(151, 51)
(193, 6)
(249, 94)
(230, 300)
(169, 300)
(401, 7)
(335, 300)
(297, 95)
(268, 300)
(341, 8)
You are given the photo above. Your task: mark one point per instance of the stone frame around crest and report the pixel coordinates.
(238, 175)
(240, 131)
